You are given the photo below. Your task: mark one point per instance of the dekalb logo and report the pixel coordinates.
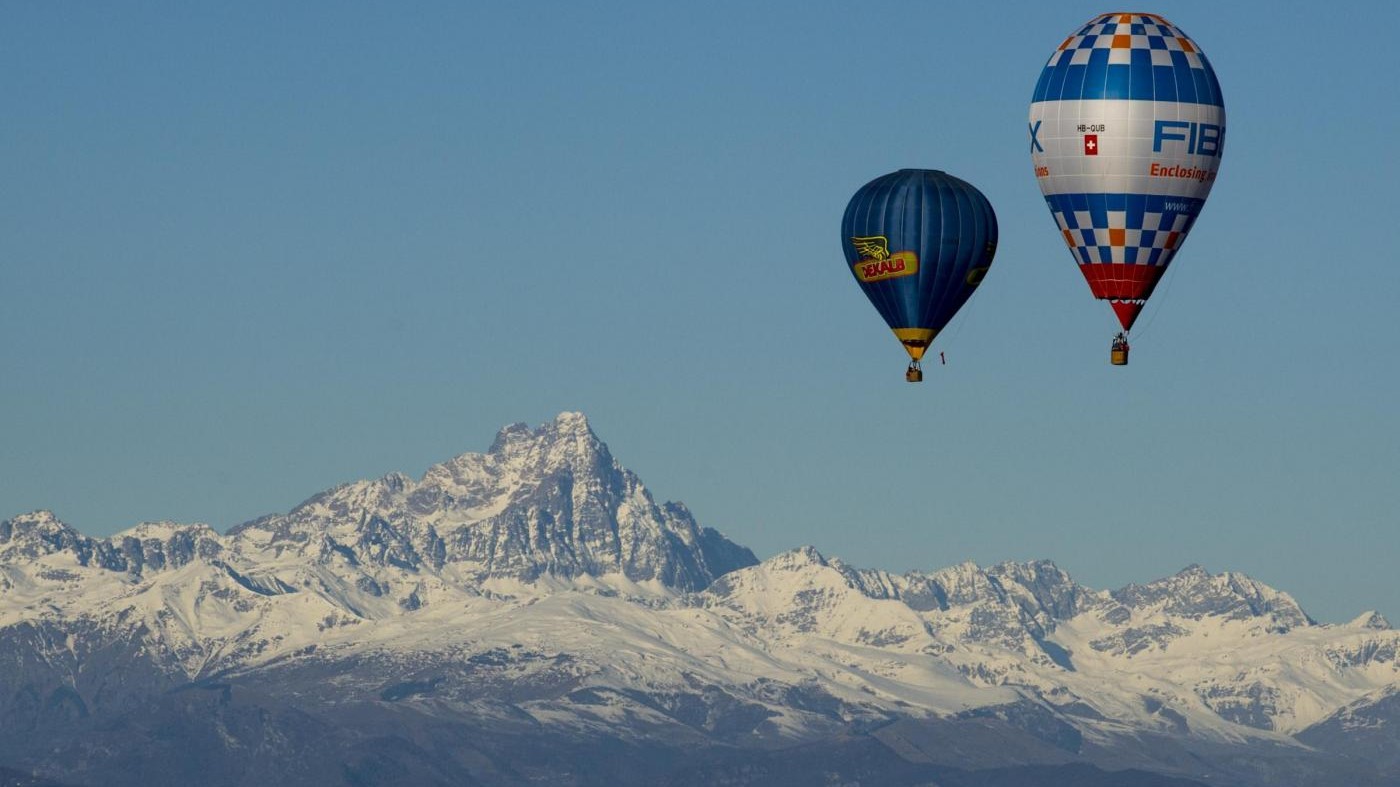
(878, 264)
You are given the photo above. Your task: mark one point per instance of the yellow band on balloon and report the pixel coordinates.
(915, 340)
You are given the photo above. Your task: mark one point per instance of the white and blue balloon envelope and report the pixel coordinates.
(1127, 127)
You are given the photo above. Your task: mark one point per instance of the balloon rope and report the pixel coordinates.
(961, 319)
(1151, 318)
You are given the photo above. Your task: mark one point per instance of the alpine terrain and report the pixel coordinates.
(531, 615)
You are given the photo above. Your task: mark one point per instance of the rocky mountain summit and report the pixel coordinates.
(547, 501)
(532, 614)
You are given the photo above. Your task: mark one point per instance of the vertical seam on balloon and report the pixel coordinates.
(900, 201)
(925, 308)
(929, 316)
(915, 317)
(928, 307)
(879, 200)
(886, 192)
(966, 253)
(949, 290)
(860, 215)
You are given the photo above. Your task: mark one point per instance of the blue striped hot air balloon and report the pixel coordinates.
(918, 242)
(1127, 126)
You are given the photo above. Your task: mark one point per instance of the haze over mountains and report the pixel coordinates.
(531, 614)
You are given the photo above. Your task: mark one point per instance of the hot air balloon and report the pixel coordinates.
(918, 242)
(1127, 126)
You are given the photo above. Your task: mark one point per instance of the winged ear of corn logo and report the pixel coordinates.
(872, 247)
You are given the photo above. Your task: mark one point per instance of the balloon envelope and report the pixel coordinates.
(918, 242)
(1127, 126)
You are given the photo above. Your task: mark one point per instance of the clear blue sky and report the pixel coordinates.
(251, 250)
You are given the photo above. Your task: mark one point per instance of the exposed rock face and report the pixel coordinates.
(1371, 620)
(157, 545)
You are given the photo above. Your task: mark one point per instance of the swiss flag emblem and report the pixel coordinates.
(1091, 144)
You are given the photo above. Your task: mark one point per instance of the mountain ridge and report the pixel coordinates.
(539, 586)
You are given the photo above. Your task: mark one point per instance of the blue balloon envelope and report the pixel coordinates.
(918, 242)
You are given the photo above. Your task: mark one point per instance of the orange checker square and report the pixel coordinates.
(1122, 42)
(1066, 43)
(1125, 19)
(1171, 240)
(1117, 237)
(1186, 44)
(1069, 239)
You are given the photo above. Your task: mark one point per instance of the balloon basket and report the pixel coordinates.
(1118, 357)
(914, 374)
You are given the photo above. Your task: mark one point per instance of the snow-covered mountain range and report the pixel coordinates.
(536, 598)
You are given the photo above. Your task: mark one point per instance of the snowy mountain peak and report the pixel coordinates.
(1043, 587)
(965, 583)
(796, 559)
(1196, 593)
(545, 501)
(509, 435)
(36, 533)
(566, 428)
(397, 482)
(38, 518)
(165, 530)
(1371, 619)
(572, 422)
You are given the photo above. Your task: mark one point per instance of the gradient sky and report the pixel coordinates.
(252, 250)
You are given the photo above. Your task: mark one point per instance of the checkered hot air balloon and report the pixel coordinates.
(1127, 127)
(918, 242)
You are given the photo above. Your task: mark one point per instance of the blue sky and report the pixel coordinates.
(249, 251)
